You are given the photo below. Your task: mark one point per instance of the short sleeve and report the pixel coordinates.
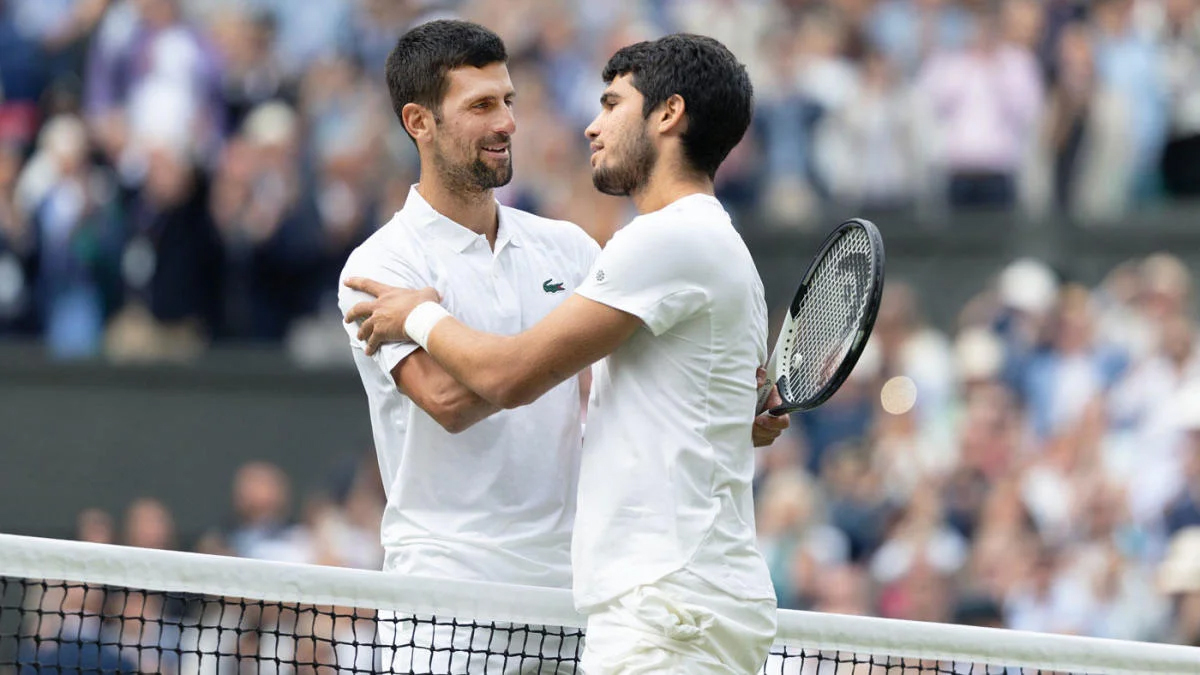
(393, 273)
(586, 253)
(654, 271)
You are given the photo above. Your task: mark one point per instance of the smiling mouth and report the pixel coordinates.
(496, 150)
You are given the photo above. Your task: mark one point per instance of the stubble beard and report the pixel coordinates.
(631, 175)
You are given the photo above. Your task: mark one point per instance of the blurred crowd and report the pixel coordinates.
(1038, 469)
(336, 524)
(178, 172)
(113, 630)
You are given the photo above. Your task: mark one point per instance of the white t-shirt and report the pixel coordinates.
(668, 457)
(496, 501)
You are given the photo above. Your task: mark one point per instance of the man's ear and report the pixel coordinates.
(672, 115)
(418, 120)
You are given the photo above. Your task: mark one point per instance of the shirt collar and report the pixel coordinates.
(507, 232)
(419, 212)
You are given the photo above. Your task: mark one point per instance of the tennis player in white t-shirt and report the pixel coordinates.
(473, 492)
(664, 556)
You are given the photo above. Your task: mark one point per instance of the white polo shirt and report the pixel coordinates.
(495, 502)
(668, 457)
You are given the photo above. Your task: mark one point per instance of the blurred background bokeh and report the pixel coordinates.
(181, 181)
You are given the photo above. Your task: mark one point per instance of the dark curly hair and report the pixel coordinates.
(717, 94)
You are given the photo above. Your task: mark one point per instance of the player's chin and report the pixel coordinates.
(608, 183)
(488, 176)
(503, 175)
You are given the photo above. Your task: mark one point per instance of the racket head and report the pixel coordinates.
(820, 342)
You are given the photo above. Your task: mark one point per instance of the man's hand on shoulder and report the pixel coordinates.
(382, 319)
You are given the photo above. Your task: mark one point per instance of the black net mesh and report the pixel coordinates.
(829, 316)
(67, 627)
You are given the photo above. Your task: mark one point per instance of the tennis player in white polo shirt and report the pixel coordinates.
(473, 492)
(664, 553)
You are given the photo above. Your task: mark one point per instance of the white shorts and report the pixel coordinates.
(681, 625)
(408, 645)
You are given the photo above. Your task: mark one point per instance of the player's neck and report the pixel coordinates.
(668, 186)
(671, 179)
(475, 211)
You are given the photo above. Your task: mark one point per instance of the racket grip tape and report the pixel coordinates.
(764, 392)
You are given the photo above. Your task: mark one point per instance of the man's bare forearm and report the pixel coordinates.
(449, 402)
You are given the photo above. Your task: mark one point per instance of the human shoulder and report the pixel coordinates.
(394, 242)
(694, 226)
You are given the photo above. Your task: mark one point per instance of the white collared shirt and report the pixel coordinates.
(668, 458)
(495, 502)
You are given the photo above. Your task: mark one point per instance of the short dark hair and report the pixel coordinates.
(416, 69)
(716, 91)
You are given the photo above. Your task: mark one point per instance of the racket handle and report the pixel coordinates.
(764, 392)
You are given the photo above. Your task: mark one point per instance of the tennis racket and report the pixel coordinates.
(829, 320)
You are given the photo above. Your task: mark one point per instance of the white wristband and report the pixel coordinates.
(421, 321)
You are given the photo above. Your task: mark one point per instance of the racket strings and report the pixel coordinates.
(829, 315)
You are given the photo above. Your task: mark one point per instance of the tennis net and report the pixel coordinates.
(71, 607)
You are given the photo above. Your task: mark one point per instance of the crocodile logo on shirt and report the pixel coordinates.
(552, 286)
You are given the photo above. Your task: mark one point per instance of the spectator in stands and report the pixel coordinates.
(310, 31)
(272, 235)
(263, 527)
(920, 546)
(1004, 544)
(1145, 406)
(1130, 66)
(345, 522)
(844, 589)
(148, 524)
(910, 347)
(909, 32)
(856, 502)
(60, 29)
(172, 263)
(1047, 600)
(985, 99)
(1074, 139)
(1179, 577)
(869, 151)
(1181, 42)
(78, 237)
(152, 76)
(17, 249)
(797, 543)
(378, 22)
(22, 79)
(250, 73)
(1184, 510)
(95, 526)
(342, 113)
(1074, 369)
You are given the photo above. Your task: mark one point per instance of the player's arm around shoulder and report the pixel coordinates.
(576, 334)
(507, 370)
(515, 371)
(416, 375)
